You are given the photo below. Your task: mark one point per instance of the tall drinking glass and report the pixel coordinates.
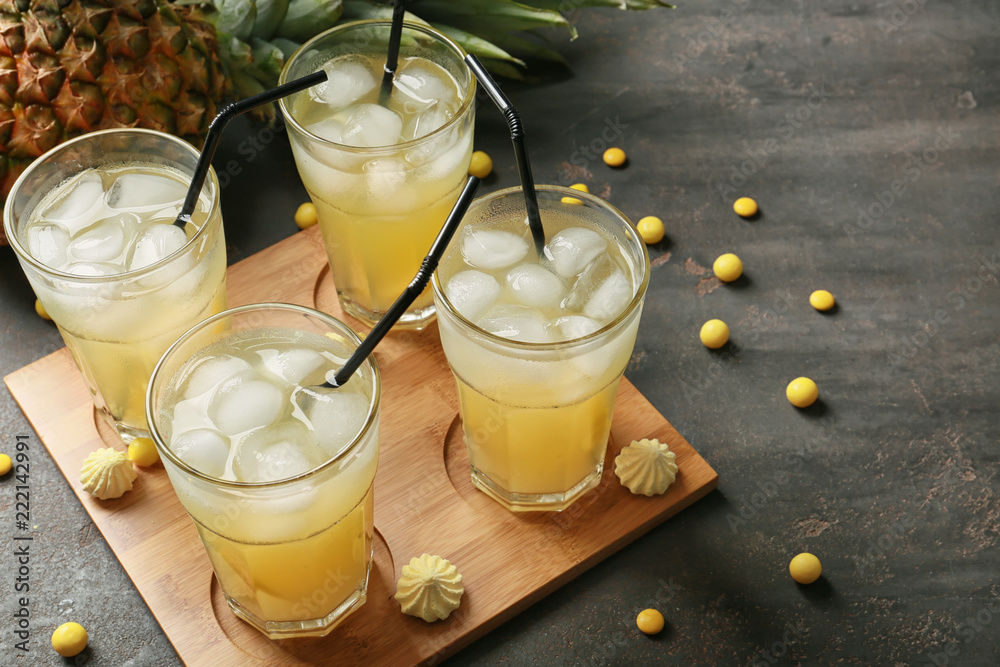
(91, 224)
(538, 344)
(276, 471)
(383, 179)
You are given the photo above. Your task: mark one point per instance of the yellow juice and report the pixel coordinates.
(303, 578)
(536, 450)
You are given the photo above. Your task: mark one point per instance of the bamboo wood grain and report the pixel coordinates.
(424, 500)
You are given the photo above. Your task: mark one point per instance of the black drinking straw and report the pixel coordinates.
(412, 291)
(219, 124)
(520, 153)
(392, 57)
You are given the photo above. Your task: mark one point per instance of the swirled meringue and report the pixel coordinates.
(107, 473)
(430, 588)
(646, 467)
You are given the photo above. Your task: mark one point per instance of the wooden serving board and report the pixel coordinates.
(424, 500)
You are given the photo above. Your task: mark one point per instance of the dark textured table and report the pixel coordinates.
(868, 132)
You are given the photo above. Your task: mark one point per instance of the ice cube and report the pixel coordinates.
(47, 244)
(516, 323)
(610, 299)
(296, 365)
(278, 452)
(492, 249)
(371, 125)
(103, 242)
(588, 281)
(472, 293)
(534, 286)
(336, 416)
(93, 269)
(572, 249)
(242, 403)
(81, 206)
(385, 178)
(146, 192)
(425, 122)
(348, 80)
(210, 371)
(572, 327)
(330, 129)
(155, 243)
(204, 450)
(423, 83)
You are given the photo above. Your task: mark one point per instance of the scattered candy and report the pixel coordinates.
(40, 309)
(646, 467)
(5, 464)
(106, 474)
(728, 267)
(69, 639)
(305, 215)
(802, 392)
(821, 300)
(582, 187)
(714, 334)
(650, 621)
(651, 229)
(481, 165)
(430, 588)
(614, 157)
(142, 452)
(805, 568)
(745, 207)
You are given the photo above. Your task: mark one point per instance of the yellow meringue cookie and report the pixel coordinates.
(646, 467)
(107, 473)
(430, 588)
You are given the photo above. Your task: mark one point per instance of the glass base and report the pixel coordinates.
(414, 320)
(536, 502)
(319, 627)
(124, 431)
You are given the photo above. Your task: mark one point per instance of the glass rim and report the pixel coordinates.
(618, 321)
(23, 253)
(343, 328)
(470, 93)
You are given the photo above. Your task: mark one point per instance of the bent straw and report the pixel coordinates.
(219, 124)
(412, 291)
(392, 57)
(520, 153)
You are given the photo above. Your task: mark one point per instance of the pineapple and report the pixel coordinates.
(73, 66)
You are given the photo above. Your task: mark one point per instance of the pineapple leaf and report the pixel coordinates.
(476, 16)
(270, 14)
(306, 18)
(363, 10)
(483, 48)
(236, 17)
(522, 43)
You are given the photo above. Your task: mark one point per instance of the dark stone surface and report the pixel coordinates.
(891, 481)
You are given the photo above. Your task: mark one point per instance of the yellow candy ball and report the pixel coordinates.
(305, 215)
(651, 229)
(481, 165)
(40, 309)
(142, 452)
(745, 207)
(582, 187)
(614, 157)
(69, 639)
(714, 334)
(728, 267)
(805, 568)
(821, 300)
(802, 392)
(650, 621)
(5, 464)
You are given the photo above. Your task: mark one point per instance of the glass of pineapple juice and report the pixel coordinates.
(276, 471)
(383, 180)
(538, 345)
(91, 224)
